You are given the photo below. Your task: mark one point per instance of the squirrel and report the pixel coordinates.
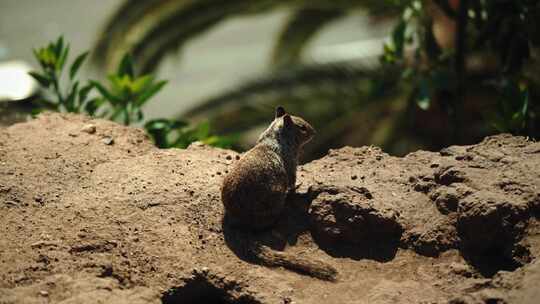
(255, 190)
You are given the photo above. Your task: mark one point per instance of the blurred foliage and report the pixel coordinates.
(52, 60)
(127, 92)
(151, 29)
(122, 99)
(451, 71)
(179, 134)
(505, 32)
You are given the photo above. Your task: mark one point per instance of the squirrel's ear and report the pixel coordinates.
(287, 120)
(280, 111)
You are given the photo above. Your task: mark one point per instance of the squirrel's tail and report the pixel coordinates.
(314, 268)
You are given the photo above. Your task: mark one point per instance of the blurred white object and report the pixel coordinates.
(15, 83)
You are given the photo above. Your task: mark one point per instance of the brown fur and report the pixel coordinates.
(255, 190)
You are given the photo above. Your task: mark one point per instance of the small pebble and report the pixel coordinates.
(44, 293)
(108, 140)
(89, 128)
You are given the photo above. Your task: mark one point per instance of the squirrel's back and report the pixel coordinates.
(254, 191)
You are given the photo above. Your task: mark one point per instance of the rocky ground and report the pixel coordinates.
(91, 212)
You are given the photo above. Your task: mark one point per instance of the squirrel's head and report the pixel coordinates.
(289, 128)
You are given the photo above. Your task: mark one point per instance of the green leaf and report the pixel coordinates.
(225, 142)
(398, 37)
(77, 64)
(126, 66)
(140, 84)
(83, 93)
(151, 91)
(157, 124)
(159, 130)
(139, 115)
(408, 73)
(177, 124)
(423, 97)
(70, 100)
(114, 114)
(58, 46)
(93, 105)
(36, 111)
(120, 86)
(211, 140)
(49, 58)
(42, 79)
(46, 57)
(184, 139)
(118, 83)
(62, 60)
(37, 55)
(46, 104)
(423, 103)
(104, 92)
(202, 130)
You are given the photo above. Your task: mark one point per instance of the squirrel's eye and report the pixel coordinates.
(303, 128)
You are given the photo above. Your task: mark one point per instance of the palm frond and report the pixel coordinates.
(378, 123)
(127, 17)
(151, 29)
(346, 79)
(166, 25)
(192, 20)
(345, 102)
(326, 95)
(298, 31)
(373, 7)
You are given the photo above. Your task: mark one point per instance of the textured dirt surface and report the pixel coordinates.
(91, 212)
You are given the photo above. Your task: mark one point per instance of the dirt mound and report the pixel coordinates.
(92, 212)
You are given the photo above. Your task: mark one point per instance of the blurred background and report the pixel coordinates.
(403, 75)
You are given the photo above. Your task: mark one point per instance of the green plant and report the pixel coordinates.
(127, 92)
(152, 29)
(52, 59)
(122, 99)
(512, 109)
(179, 134)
